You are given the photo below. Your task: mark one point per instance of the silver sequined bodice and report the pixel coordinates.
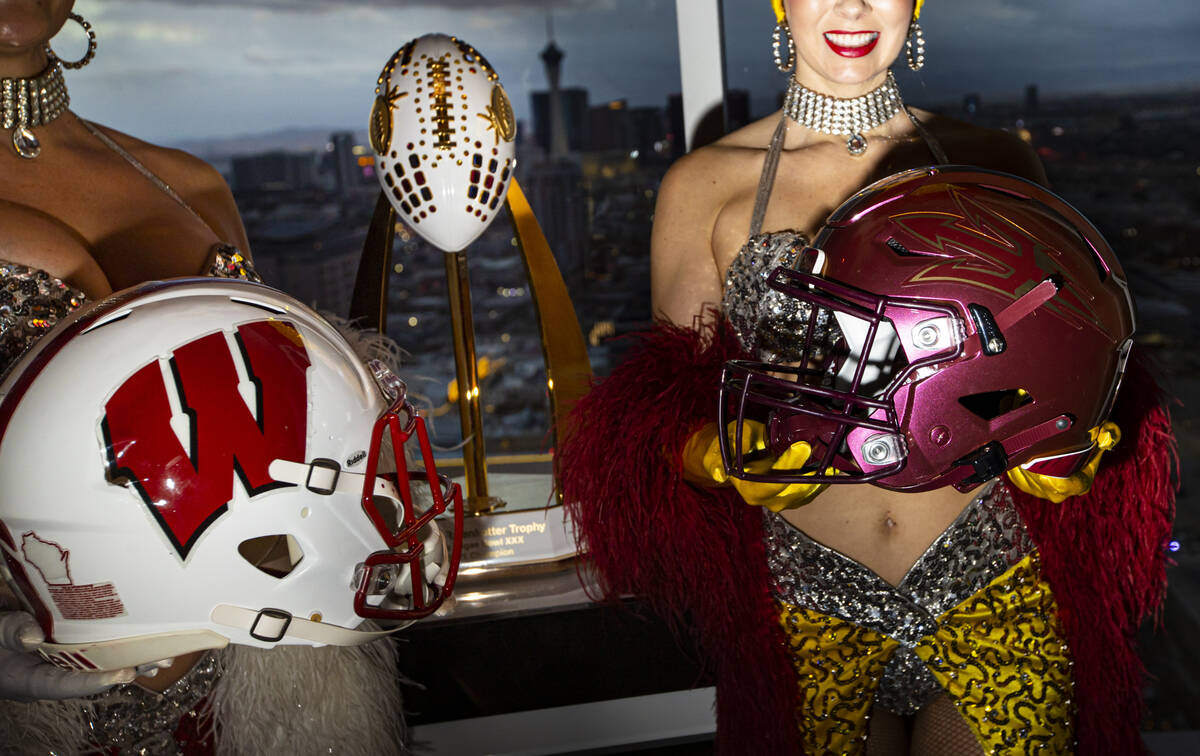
(754, 309)
(768, 324)
(985, 540)
(131, 720)
(32, 301)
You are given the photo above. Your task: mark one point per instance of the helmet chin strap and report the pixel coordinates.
(275, 625)
(435, 564)
(266, 625)
(322, 476)
(129, 652)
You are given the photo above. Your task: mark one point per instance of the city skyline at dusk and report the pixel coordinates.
(172, 71)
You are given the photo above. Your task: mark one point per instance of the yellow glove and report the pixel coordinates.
(1057, 490)
(702, 466)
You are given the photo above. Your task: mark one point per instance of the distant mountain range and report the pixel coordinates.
(289, 140)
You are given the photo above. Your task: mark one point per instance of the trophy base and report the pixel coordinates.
(524, 530)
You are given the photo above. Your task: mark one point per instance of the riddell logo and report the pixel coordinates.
(180, 452)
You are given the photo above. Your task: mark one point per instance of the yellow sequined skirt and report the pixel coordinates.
(998, 655)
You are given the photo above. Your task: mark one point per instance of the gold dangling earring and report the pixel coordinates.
(916, 39)
(778, 36)
(91, 48)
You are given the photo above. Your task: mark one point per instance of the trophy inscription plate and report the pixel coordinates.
(525, 531)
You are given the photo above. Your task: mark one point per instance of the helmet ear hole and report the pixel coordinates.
(990, 405)
(276, 555)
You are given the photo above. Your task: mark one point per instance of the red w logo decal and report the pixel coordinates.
(187, 489)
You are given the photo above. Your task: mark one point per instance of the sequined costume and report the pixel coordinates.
(749, 588)
(759, 314)
(128, 718)
(290, 699)
(972, 617)
(32, 301)
(857, 641)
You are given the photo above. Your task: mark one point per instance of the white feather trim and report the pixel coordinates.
(43, 727)
(295, 699)
(291, 699)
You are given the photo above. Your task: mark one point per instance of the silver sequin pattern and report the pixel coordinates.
(769, 324)
(31, 302)
(131, 720)
(985, 540)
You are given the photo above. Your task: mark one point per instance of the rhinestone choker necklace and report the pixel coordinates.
(851, 116)
(32, 102)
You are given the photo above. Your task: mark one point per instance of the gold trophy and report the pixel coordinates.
(443, 133)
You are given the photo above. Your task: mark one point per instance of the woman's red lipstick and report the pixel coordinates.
(851, 44)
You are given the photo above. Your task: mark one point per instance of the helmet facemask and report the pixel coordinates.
(844, 394)
(408, 569)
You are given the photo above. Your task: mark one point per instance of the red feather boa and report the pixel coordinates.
(696, 556)
(1103, 554)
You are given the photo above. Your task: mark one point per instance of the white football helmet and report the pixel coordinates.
(197, 462)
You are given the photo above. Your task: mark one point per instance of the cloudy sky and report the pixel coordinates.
(177, 70)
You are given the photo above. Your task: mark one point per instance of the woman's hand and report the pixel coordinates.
(703, 466)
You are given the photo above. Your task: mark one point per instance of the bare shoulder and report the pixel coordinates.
(684, 273)
(999, 150)
(193, 179)
(182, 171)
(715, 172)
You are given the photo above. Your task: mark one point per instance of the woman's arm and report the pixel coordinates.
(684, 276)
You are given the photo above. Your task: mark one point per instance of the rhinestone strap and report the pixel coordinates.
(35, 101)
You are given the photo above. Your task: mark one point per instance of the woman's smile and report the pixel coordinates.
(851, 44)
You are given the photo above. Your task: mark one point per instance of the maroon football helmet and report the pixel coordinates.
(959, 322)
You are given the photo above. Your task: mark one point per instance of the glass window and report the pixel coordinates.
(278, 96)
(1107, 97)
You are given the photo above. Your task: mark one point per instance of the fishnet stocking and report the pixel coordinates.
(939, 730)
(887, 734)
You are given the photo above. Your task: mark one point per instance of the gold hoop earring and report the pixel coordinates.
(91, 45)
(914, 46)
(779, 37)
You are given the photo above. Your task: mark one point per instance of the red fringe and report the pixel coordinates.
(695, 556)
(1103, 554)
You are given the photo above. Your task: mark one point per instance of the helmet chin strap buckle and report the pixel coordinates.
(271, 625)
(323, 476)
(989, 461)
